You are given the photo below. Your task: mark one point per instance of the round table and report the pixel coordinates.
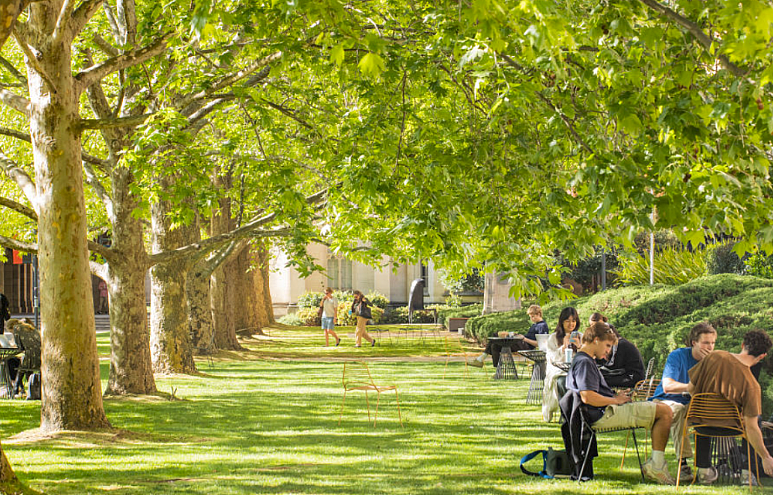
(506, 366)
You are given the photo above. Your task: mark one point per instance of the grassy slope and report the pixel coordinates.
(265, 421)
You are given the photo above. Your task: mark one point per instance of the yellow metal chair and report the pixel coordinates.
(454, 346)
(357, 377)
(722, 416)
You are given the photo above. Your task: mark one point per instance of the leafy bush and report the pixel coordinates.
(586, 269)
(758, 265)
(309, 317)
(344, 318)
(454, 301)
(672, 267)
(720, 258)
(463, 312)
(400, 314)
(309, 300)
(377, 299)
(291, 319)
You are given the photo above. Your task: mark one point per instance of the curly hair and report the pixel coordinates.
(757, 343)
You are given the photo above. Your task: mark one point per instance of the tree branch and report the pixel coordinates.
(10, 10)
(15, 73)
(101, 250)
(82, 15)
(62, 23)
(19, 208)
(696, 31)
(89, 76)
(26, 137)
(9, 243)
(21, 178)
(99, 189)
(230, 79)
(105, 45)
(14, 101)
(31, 58)
(113, 122)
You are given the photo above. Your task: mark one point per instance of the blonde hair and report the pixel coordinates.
(328, 290)
(534, 309)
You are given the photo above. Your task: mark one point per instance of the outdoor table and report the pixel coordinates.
(506, 366)
(563, 366)
(5, 374)
(537, 375)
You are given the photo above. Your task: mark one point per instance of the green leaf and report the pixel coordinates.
(371, 65)
(337, 54)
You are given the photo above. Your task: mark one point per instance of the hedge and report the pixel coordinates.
(658, 319)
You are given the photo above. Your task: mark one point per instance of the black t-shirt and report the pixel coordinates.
(537, 329)
(585, 375)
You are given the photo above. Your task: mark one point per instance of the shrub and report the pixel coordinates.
(291, 319)
(309, 316)
(399, 315)
(720, 258)
(309, 300)
(672, 267)
(377, 299)
(758, 265)
(344, 318)
(463, 312)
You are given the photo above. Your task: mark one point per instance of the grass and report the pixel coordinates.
(264, 420)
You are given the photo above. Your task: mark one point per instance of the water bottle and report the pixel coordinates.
(568, 354)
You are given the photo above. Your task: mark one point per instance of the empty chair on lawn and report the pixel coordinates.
(356, 376)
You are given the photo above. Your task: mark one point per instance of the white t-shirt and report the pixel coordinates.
(329, 307)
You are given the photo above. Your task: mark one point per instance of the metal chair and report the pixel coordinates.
(454, 346)
(648, 371)
(711, 415)
(356, 376)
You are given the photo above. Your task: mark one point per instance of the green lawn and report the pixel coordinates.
(265, 421)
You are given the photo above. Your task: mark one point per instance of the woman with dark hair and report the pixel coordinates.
(624, 366)
(568, 321)
(361, 308)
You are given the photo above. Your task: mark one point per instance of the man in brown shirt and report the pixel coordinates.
(729, 375)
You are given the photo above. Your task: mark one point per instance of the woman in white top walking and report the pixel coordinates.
(329, 307)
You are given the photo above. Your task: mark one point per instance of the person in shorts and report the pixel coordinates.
(672, 390)
(329, 307)
(607, 409)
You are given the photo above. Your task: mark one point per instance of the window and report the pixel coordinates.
(339, 272)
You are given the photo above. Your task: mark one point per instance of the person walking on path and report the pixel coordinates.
(361, 308)
(329, 306)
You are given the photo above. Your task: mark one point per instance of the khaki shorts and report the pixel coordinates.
(632, 414)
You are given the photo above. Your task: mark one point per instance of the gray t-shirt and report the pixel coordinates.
(329, 307)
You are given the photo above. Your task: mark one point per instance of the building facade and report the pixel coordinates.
(390, 279)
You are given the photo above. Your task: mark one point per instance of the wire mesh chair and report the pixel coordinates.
(356, 376)
(712, 415)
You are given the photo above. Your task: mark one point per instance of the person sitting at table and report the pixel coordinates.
(538, 327)
(624, 367)
(558, 341)
(27, 338)
(607, 410)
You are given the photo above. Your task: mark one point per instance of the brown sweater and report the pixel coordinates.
(722, 373)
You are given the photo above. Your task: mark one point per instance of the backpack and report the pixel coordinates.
(33, 387)
(554, 463)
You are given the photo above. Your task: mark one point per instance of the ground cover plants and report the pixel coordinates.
(264, 420)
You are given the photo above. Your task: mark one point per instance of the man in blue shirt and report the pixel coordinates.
(673, 386)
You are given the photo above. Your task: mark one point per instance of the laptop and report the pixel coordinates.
(7, 340)
(542, 341)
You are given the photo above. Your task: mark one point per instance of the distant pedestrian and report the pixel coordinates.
(5, 314)
(329, 306)
(361, 308)
(102, 297)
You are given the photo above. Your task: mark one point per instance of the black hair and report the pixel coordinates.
(565, 314)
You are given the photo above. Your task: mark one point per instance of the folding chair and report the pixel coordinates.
(709, 416)
(452, 347)
(357, 377)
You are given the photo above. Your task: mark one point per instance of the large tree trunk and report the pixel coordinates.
(221, 286)
(200, 312)
(246, 302)
(170, 340)
(131, 371)
(9, 483)
(72, 391)
(268, 306)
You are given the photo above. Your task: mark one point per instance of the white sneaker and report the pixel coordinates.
(657, 474)
(707, 476)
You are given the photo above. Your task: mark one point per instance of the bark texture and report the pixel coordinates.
(170, 341)
(131, 371)
(263, 255)
(72, 392)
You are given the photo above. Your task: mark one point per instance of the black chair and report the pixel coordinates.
(580, 436)
(29, 340)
